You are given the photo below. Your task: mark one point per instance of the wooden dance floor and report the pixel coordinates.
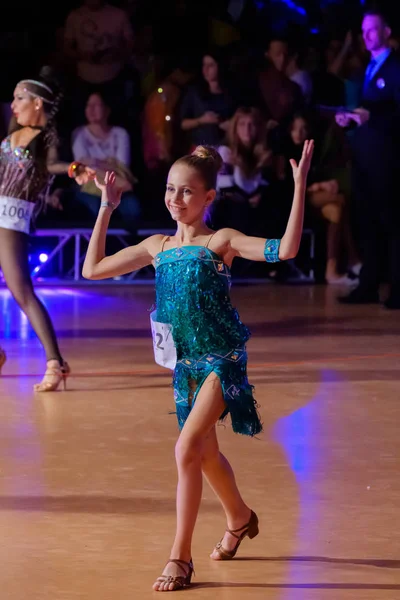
(87, 478)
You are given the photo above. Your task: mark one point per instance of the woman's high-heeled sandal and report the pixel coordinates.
(53, 377)
(250, 530)
(3, 358)
(180, 581)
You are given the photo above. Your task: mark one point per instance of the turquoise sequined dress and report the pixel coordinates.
(192, 294)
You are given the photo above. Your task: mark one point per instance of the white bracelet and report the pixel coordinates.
(106, 205)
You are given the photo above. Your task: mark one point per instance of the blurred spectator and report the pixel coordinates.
(208, 105)
(328, 192)
(98, 39)
(376, 161)
(281, 96)
(328, 89)
(349, 64)
(244, 179)
(160, 134)
(105, 148)
(250, 198)
(296, 73)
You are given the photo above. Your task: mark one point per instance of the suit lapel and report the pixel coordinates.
(380, 74)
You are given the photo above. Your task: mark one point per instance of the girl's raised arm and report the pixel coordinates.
(258, 249)
(99, 266)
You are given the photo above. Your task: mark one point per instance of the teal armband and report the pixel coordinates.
(271, 251)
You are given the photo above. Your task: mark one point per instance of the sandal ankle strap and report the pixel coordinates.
(246, 526)
(183, 564)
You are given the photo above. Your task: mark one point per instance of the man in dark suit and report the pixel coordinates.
(376, 165)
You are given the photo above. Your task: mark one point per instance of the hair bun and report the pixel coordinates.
(209, 153)
(52, 78)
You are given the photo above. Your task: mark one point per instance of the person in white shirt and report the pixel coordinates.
(105, 148)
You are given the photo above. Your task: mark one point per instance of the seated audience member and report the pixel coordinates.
(245, 177)
(207, 105)
(105, 148)
(296, 73)
(328, 193)
(249, 198)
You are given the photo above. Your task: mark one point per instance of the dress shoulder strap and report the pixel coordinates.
(165, 238)
(210, 238)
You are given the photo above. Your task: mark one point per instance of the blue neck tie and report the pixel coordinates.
(368, 74)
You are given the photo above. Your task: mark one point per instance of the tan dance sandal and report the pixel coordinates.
(178, 582)
(53, 377)
(250, 530)
(3, 358)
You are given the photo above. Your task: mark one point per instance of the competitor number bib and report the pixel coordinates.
(15, 214)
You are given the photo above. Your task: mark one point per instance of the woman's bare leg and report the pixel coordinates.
(15, 267)
(331, 207)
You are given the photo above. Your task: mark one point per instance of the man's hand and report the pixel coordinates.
(360, 116)
(343, 119)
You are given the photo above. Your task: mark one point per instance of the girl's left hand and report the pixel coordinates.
(300, 171)
(85, 174)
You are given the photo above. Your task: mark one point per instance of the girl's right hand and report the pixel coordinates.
(109, 191)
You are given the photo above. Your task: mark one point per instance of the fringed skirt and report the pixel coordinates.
(231, 369)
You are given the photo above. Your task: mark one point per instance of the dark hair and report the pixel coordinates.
(277, 38)
(306, 116)
(297, 47)
(207, 162)
(49, 77)
(48, 88)
(220, 58)
(103, 97)
(377, 12)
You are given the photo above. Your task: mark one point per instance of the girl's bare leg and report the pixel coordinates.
(221, 479)
(189, 451)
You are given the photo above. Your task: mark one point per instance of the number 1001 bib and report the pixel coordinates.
(163, 343)
(15, 214)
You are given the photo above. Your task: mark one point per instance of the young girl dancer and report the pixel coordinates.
(28, 161)
(210, 380)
